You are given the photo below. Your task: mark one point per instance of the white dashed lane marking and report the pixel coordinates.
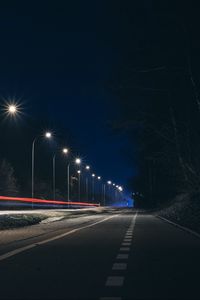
(115, 281)
(122, 256)
(119, 266)
(110, 298)
(124, 249)
(118, 281)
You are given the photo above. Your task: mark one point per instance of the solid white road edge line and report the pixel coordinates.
(180, 226)
(22, 249)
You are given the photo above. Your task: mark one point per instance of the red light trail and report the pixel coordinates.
(35, 200)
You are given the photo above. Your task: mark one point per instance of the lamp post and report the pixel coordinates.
(104, 194)
(77, 162)
(114, 190)
(47, 135)
(64, 151)
(79, 185)
(109, 185)
(93, 177)
(99, 187)
(86, 184)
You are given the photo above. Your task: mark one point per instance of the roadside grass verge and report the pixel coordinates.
(21, 220)
(184, 210)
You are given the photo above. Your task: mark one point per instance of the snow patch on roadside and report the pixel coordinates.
(51, 219)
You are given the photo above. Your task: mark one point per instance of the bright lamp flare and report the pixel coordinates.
(12, 109)
(65, 150)
(79, 171)
(99, 177)
(93, 175)
(78, 161)
(87, 167)
(48, 135)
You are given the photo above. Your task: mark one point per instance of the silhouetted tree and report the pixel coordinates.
(8, 183)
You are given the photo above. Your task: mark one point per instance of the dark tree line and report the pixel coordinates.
(8, 182)
(158, 90)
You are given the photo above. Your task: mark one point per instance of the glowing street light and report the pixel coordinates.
(120, 188)
(65, 150)
(12, 109)
(109, 182)
(87, 167)
(99, 177)
(47, 135)
(78, 161)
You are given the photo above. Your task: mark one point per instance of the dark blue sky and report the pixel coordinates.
(59, 57)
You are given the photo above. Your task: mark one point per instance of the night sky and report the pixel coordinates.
(76, 68)
(57, 59)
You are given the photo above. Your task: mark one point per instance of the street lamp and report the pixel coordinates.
(99, 188)
(12, 109)
(79, 185)
(65, 152)
(93, 177)
(86, 183)
(77, 161)
(120, 188)
(109, 184)
(47, 135)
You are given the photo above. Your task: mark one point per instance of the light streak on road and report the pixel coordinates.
(54, 202)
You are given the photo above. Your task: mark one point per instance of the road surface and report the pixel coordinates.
(116, 254)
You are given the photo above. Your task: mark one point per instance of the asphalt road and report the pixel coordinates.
(116, 254)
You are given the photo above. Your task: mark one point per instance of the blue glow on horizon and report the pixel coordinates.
(124, 203)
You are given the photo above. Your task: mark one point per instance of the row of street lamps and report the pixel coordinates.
(13, 110)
